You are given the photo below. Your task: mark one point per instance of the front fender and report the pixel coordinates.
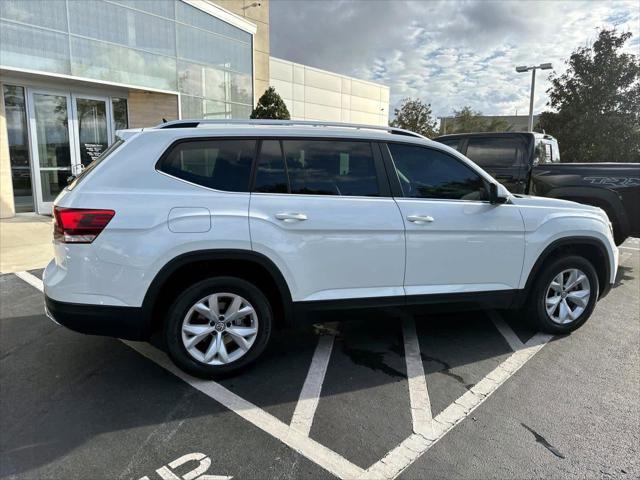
(563, 230)
(608, 200)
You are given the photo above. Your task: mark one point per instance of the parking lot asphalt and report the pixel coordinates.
(468, 395)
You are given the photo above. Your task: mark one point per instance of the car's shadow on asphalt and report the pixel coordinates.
(61, 390)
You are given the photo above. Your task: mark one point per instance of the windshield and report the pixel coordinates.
(78, 178)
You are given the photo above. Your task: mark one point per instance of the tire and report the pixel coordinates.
(543, 294)
(205, 358)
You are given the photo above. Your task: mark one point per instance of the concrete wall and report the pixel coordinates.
(7, 208)
(314, 94)
(259, 15)
(147, 109)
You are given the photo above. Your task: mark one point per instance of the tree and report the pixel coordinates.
(270, 106)
(597, 103)
(467, 120)
(415, 116)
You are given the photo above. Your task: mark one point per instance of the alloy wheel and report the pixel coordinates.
(567, 296)
(219, 328)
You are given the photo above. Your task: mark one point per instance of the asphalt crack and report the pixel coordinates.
(543, 441)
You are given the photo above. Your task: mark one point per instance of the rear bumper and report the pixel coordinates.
(120, 322)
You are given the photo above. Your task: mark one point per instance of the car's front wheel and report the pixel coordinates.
(218, 326)
(564, 295)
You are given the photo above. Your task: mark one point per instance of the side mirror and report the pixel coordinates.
(494, 198)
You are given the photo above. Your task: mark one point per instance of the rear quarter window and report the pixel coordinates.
(83, 174)
(218, 164)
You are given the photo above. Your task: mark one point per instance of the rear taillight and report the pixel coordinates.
(79, 225)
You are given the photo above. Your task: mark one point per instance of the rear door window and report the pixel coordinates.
(219, 164)
(496, 151)
(326, 167)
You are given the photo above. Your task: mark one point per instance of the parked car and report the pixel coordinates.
(214, 233)
(529, 163)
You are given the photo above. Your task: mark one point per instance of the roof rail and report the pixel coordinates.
(308, 123)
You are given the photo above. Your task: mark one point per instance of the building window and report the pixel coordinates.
(165, 45)
(120, 113)
(16, 117)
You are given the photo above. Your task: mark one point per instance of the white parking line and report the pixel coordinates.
(505, 330)
(403, 455)
(418, 394)
(310, 394)
(314, 451)
(31, 280)
(629, 248)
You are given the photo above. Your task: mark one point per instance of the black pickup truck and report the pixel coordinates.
(529, 163)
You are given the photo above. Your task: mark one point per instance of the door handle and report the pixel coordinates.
(420, 218)
(291, 217)
(504, 177)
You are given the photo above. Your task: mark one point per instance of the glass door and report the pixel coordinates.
(92, 126)
(54, 154)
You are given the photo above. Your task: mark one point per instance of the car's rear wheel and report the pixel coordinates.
(218, 326)
(564, 295)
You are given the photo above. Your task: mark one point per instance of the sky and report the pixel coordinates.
(447, 53)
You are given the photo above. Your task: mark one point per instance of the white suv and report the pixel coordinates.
(216, 232)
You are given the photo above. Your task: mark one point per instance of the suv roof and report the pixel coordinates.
(266, 128)
(285, 123)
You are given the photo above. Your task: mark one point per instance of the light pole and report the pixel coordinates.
(524, 68)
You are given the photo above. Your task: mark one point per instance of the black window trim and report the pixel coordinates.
(381, 173)
(396, 187)
(256, 161)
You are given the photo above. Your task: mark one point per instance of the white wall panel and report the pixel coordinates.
(280, 70)
(322, 112)
(326, 81)
(322, 96)
(298, 92)
(298, 74)
(367, 118)
(284, 89)
(366, 90)
(365, 105)
(346, 86)
(298, 109)
(346, 101)
(313, 94)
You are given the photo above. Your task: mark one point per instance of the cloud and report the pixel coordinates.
(448, 53)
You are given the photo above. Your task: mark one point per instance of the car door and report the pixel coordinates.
(322, 211)
(457, 241)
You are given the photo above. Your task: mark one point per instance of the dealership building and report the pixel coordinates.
(73, 72)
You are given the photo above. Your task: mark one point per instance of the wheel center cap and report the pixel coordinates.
(563, 294)
(220, 326)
